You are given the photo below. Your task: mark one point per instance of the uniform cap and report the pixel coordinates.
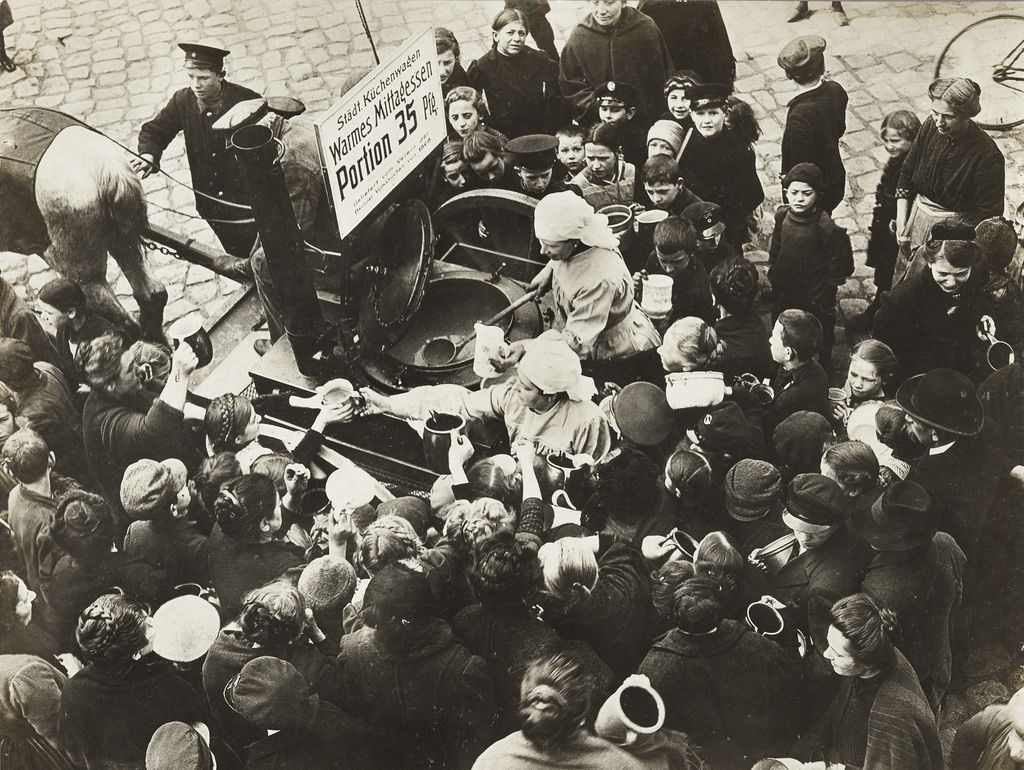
(534, 152)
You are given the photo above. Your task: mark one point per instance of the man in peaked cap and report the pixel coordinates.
(816, 119)
(216, 178)
(538, 172)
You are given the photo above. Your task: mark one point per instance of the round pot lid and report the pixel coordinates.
(399, 276)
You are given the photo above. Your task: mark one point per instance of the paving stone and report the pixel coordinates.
(984, 694)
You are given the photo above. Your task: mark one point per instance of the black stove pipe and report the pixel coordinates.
(256, 150)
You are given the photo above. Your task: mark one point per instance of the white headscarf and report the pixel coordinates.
(565, 216)
(551, 365)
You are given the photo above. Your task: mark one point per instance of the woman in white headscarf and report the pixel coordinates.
(548, 402)
(595, 309)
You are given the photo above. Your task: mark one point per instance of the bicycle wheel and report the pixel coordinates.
(978, 52)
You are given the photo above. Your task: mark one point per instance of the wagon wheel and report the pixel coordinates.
(508, 217)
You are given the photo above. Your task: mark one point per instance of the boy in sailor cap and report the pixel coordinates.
(617, 103)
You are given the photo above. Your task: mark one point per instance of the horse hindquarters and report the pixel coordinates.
(93, 204)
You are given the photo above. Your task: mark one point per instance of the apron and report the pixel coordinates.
(923, 215)
(633, 334)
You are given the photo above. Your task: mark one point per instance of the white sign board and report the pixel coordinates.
(381, 129)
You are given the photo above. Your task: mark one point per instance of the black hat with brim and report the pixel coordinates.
(901, 517)
(944, 399)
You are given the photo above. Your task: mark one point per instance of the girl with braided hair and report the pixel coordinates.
(77, 564)
(232, 424)
(880, 717)
(724, 686)
(134, 691)
(556, 698)
(273, 621)
(246, 549)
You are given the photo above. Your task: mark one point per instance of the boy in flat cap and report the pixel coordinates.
(816, 119)
(215, 176)
(709, 222)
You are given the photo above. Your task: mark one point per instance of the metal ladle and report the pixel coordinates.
(443, 350)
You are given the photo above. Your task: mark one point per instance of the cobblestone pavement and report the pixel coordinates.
(114, 63)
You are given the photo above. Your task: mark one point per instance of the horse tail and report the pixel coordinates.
(123, 203)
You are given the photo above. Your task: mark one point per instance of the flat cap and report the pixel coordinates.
(800, 52)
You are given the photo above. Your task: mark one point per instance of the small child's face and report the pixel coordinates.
(662, 194)
(863, 378)
(601, 161)
(464, 117)
(678, 104)
(710, 121)
(446, 65)
(895, 143)
(614, 112)
(659, 147)
(801, 197)
(571, 154)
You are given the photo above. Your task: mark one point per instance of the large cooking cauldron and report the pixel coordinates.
(413, 300)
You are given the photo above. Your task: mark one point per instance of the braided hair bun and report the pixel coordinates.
(556, 697)
(696, 607)
(111, 630)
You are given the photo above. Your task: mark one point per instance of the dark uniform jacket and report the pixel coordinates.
(722, 169)
(814, 124)
(814, 580)
(522, 91)
(210, 162)
(796, 390)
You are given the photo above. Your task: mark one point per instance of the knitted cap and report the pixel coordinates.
(669, 132)
(799, 441)
(270, 693)
(752, 489)
(184, 628)
(327, 583)
(148, 489)
(178, 746)
(808, 173)
(997, 241)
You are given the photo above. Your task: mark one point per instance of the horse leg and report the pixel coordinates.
(101, 299)
(149, 292)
